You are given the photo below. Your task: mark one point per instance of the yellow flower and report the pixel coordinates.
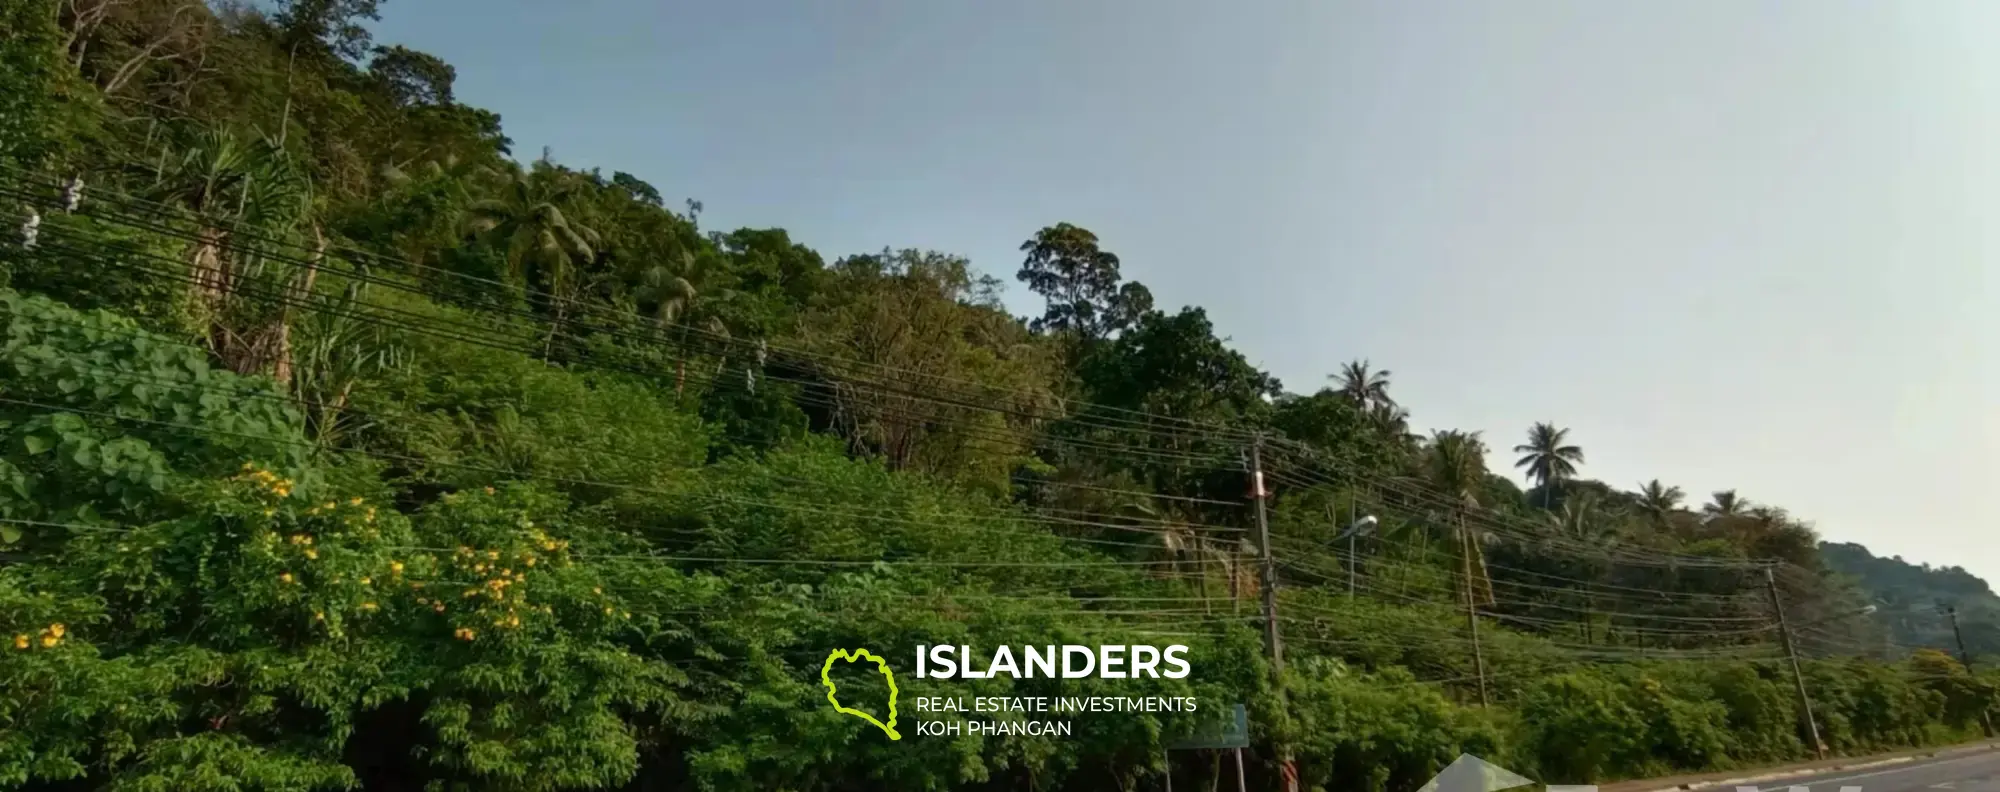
(438, 606)
(319, 616)
(628, 614)
(354, 502)
(248, 467)
(479, 567)
(598, 590)
(489, 490)
(270, 512)
(56, 630)
(285, 578)
(607, 610)
(367, 581)
(492, 555)
(506, 573)
(329, 505)
(368, 606)
(395, 567)
(20, 642)
(49, 641)
(466, 634)
(530, 561)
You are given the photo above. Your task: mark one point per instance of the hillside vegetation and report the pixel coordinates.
(340, 449)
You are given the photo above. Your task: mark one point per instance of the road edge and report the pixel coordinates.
(1862, 763)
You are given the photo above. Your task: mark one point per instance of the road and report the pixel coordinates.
(1967, 772)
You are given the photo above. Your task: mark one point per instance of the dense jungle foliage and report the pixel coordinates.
(339, 449)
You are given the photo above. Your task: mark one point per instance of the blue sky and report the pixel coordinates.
(1729, 244)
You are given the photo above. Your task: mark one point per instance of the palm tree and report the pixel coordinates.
(1580, 520)
(1365, 388)
(1726, 504)
(1659, 500)
(1455, 465)
(668, 291)
(225, 182)
(433, 195)
(527, 223)
(1547, 459)
(541, 243)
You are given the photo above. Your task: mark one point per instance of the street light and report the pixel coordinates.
(1364, 525)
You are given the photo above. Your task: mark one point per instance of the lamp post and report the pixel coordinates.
(1361, 526)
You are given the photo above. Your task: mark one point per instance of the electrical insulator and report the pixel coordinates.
(1257, 486)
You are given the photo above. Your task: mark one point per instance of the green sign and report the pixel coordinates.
(1231, 733)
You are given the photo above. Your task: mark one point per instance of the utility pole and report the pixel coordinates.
(1792, 653)
(1965, 658)
(1273, 643)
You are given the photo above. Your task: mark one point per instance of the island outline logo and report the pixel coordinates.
(832, 691)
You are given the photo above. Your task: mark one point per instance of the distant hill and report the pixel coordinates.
(1910, 597)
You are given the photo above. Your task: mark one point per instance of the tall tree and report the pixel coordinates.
(1455, 465)
(1365, 387)
(328, 27)
(411, 78)
(1548, 458)
(1081, 283)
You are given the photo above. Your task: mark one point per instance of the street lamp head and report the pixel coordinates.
(1364, 525)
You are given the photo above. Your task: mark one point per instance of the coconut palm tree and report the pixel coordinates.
(542, 244)
(1659, 500)
(1364, 387)
(1725, 503)
(668, 291)
(1548, 459)
(432, 195)
(1455, 466)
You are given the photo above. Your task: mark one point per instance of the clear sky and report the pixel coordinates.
(1729, 244)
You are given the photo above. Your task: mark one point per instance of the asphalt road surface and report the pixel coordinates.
(1968, 772)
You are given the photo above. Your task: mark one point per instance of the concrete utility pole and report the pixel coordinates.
(1273, 643)
(1792, 652)
(1965, 658)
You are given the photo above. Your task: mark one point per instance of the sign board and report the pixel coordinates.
(1231, 732)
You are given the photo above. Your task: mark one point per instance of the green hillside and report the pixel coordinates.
(1913, 600)
(341, 448)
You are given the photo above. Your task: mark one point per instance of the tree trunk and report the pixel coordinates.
(211, 278)
(300, 294)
